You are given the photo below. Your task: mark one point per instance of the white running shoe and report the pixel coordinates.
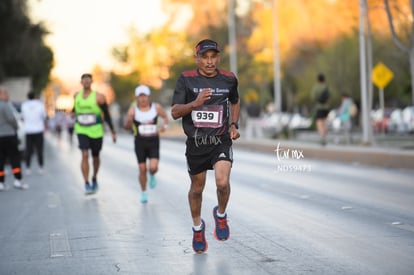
(25, 185)
(20, 185)
(2, 186)
(41, 171)
(28, 171)
(17, 184)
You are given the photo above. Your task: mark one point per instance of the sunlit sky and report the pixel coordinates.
(83, 32)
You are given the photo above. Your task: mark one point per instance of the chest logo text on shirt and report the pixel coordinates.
(216, 91)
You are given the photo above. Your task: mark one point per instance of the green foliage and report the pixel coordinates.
(176, 69)
(398, 92)
(124, 86)
(22, 50)
(41, 67)
(337, 57)
(340, 63)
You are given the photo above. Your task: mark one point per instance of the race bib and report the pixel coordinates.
(147, 130)
(210, 116)
(86, 119)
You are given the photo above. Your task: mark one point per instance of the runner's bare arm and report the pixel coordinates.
(161, 112)
(180, 110)
(130, 118)
(235, 111)
(73, 112)
(235, 114)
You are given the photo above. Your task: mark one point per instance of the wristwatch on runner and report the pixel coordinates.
(235, 125)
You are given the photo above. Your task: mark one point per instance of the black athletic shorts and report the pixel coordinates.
(147, 149)
(94, 144)
(203, 153)
(321, 113)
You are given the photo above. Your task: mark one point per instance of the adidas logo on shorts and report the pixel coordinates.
(222, 155)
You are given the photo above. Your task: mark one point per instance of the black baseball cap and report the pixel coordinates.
(86, 75)
(206, 45)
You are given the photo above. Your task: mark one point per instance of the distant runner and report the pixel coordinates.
(143, 119)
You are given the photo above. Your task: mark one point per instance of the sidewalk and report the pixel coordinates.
(352, 154)
(386, 155)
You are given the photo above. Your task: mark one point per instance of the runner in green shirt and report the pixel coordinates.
(90, 110)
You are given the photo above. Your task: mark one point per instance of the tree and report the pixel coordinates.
(124, 86)
(22, 49)
(409, 46)
(315, 36)
(204, 14)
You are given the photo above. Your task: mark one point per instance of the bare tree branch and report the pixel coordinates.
(394, 34)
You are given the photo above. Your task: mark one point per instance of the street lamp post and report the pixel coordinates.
(276, 61)
(363, 72)
(232, 36)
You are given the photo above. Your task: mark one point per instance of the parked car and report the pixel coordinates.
(275, 123)
(396, 123)
(298, 122)
(379, 119)
(408, 118)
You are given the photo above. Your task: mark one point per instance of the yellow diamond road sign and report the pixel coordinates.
(381, 75)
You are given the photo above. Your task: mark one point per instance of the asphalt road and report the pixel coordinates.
(288, 214)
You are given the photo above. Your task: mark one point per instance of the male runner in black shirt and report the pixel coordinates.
(207, 100)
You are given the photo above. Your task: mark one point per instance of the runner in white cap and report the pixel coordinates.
(143, 119)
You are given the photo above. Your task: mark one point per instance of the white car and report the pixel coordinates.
(396, 123)
(297, 122)
(275, 123)
(408, 118)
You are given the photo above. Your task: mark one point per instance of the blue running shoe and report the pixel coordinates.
(200, 244)
(152, 181)
(144, 197)
(94, 185)
(88, 189)
(222, 230)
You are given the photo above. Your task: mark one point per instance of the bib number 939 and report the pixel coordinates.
(205, 116)
(210, 116)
